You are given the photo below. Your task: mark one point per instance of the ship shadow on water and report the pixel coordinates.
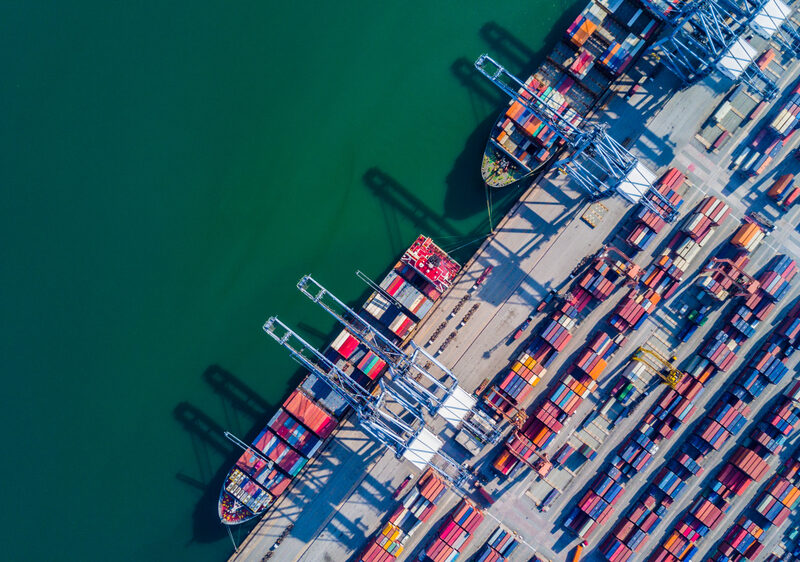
(214, 455)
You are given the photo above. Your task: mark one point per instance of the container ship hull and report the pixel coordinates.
(306, 420)
(599, 45)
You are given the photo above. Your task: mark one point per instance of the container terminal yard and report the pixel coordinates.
(609, 377)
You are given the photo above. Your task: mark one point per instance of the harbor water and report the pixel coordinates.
(169, 173)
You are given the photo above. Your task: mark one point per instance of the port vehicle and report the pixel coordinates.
(523, 327)
(546, 300)
(402, 485)
(483, 276)
(485, 496)
(576, 556)
(636, 86)
(696, 318)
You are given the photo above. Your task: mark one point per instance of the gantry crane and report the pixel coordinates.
(384, 414)
(663, 366)
(409, 373)
(708, 35)
(597, 162)
(745, 283)
(394, 412)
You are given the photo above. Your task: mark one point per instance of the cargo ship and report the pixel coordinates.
(306, 420)
(599, 45)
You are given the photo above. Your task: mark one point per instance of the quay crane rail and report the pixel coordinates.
(599, 164)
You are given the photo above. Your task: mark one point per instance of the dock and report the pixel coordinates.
(345, 495)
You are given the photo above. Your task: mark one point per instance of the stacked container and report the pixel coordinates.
(775, 281)
(649, 223)
(633, 310)
(454, 533)
(416, 508)
(783, 183)
(788, 116)
(746, 465)
(726, 417)
(498, 548)
(771, 507)
(749, 236)
(740, 542)
(599, 280)
(660, 280)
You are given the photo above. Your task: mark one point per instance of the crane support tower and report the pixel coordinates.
(408, 375)
(597, 162)
(707, 35)
(388, 417)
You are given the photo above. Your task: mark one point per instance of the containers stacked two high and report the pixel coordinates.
(455, 532)
(416, 508)
(725, 418)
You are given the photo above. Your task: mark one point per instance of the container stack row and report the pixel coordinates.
(512, 388)
(783, 191)
(416, 508)
(775, 503)
(719, 276)
(455, 533)
(525, 137)
(599, 281)
(649, 223)
(748, 464)
(560, 403)
(768, 142)
(264, 471)
(498, 548)
(673, 408)
(788, 116)
(770, 508)
(614, 55)
(662, 277)
(726, 417)
(740, 542)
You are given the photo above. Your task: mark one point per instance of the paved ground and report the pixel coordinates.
(338, 503)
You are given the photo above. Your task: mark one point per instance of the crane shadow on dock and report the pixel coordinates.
(319, 507)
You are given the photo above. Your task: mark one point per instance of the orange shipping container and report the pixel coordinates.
(597, 370)
(780, 185)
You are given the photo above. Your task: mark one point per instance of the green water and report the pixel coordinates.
(168, 173)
